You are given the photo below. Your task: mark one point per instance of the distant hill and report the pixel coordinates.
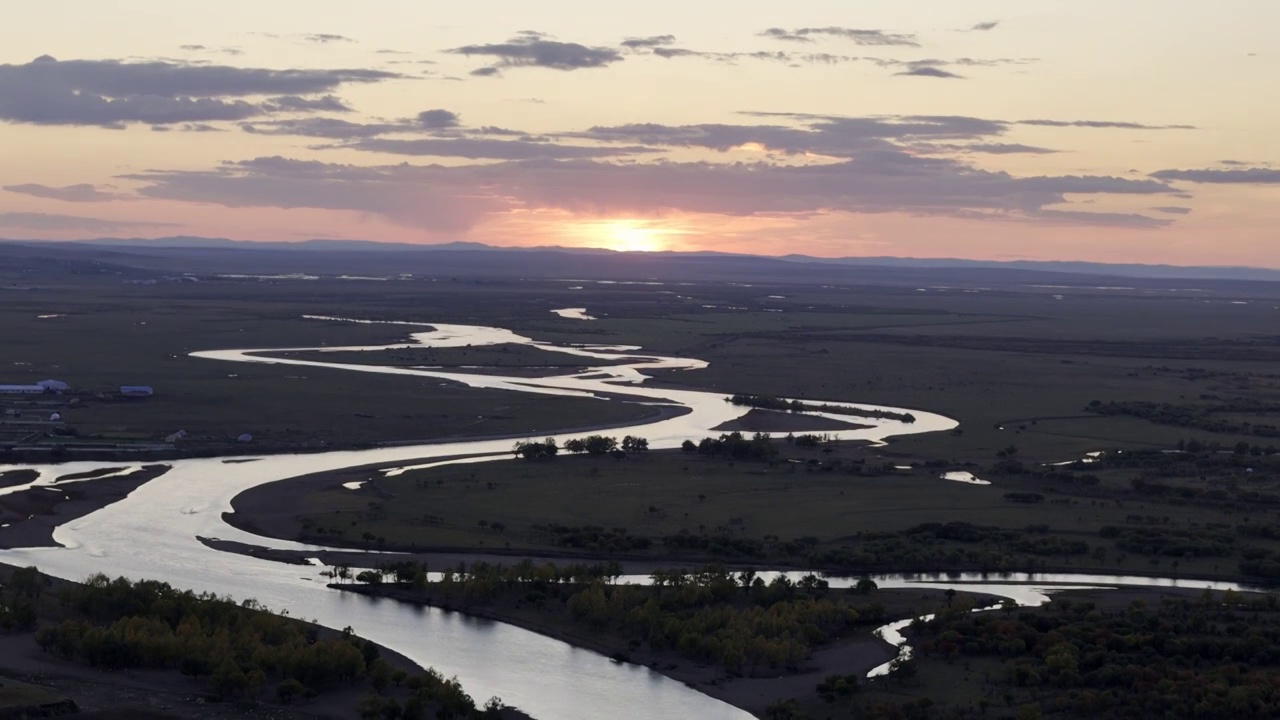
(225, 255)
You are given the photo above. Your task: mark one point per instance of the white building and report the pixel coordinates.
(21, 390)
(54, 385)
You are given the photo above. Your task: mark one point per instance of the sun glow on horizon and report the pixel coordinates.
(625, 235)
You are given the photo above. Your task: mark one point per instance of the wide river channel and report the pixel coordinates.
(154, 534)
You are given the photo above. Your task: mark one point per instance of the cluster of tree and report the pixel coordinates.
(427, 692)
(1216, 657)
(736, 446)
(1024, 497)
(18, 598)
(1200, 417)
(595, 445)
(535, 450)
(712, 615)
(595, 538)
(605, 445)
(1198, 541)
(1196, 446)
(737, 621)
(239, 649)
(1260, 562)
(769, 402)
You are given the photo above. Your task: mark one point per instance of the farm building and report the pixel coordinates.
(136, 391)
(21, 390)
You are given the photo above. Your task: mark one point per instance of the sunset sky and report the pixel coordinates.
(1107, 130)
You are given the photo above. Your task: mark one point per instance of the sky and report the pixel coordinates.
(1103, 130)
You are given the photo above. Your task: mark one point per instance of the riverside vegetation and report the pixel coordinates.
(238, 652)
(1211, 656)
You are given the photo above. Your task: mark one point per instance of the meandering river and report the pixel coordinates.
(154, 534)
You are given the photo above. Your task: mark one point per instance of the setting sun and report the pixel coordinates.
(627, 236)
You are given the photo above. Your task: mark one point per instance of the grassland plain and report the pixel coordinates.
(849, 511)
(1006, 357)
(1019, 364)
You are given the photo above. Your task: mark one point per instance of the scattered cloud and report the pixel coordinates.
(188, 127)
(1173, 209)
(440, 198)
(322, 127)
(532, 49)
(485, 149)
(193, 48)
(648, 42)
(83, 192)
(51, 222)
(297, 103)
(113, 93)
(997, 149)
(1243, 176)
(858, 36)
(327, 38)
(795, 59)
(929, 71)
(1104, 124)
(486, 72)
(836, 137)
(984, 26)
(1080, 217)
(438, 119)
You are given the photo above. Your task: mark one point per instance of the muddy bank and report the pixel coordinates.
(438, 559)
(773, 421)
(30, 516)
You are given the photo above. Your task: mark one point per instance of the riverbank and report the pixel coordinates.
(195, 450)
(28, 671)
(29, 517)
(854, 654)
(773, 421)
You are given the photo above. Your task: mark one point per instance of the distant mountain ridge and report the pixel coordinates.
(1134, 270)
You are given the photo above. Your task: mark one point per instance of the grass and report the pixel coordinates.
(670, 492)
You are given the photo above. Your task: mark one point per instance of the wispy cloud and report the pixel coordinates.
(1241, 176)
(52, 222)
(1104, 124)
(857, 36)
(327, 38)
(487, 149)
(81, 193)
(648, 42)
(113, 93)
(297, 103)
(931, 71)
(530, 49)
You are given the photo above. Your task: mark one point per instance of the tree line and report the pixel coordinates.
(1217, 656)
(593, 445)
(770, 402)
(711, 615)
(238, 650)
